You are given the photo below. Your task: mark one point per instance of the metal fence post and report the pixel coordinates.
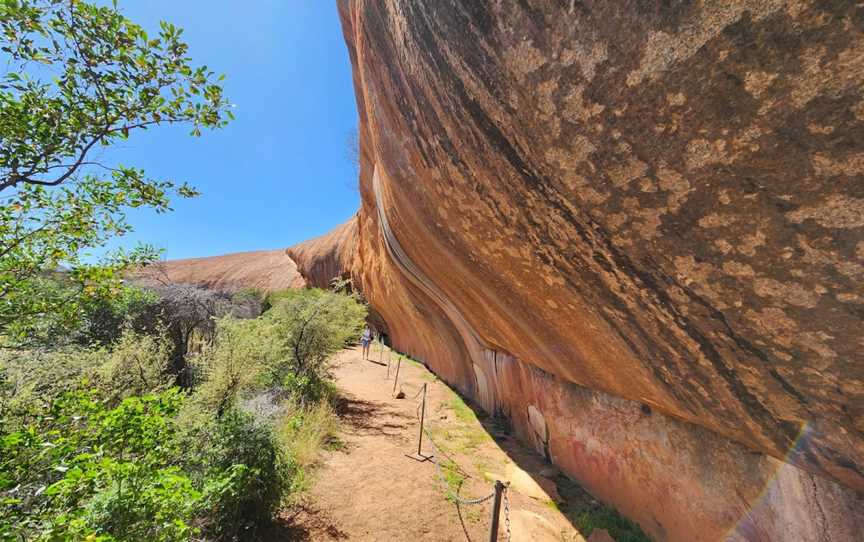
(496, 510)
(396, 379)
(419, 455)
(422, 417)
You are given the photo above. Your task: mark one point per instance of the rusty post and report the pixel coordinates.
(419, 455)
(422, 417)
(496, 511)
(396, 379)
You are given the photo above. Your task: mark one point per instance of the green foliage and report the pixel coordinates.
(96, 319)
(587, 514)
(620, 528)
(311, 326)
(87, 469)
(234, 363)
(135, 364)
(95, 444)
(249, 473)
(304, 431)
(462, 410)
(105, 318)
(127, 472)
(454, 478)
(81, 77)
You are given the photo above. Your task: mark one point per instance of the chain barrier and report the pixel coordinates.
(437, 453)
(507, 511)
(452, 495)
(416, 395)
(443, 477)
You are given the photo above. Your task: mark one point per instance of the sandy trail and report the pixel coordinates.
(369, 489)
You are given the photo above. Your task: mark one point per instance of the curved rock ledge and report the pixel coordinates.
(635, 229)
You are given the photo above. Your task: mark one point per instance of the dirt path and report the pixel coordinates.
(369, 489)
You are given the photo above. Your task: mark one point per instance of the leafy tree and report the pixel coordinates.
(81, 77)
(106, 318)
(96, 320)
(311, 326)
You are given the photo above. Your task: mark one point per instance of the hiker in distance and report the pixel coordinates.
(366, 340)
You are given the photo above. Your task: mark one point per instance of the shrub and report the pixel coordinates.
(104, 319)
(33, 379)
(95, 444)
(306, 430)
(234, 363)
(248, 476)
(136, 364)
(86, 469)
(311, 326)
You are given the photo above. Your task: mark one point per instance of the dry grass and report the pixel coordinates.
(305, 431)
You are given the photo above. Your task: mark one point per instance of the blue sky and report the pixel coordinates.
(277, 174)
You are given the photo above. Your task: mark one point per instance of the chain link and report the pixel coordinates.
(443, 478)
(507, 511)
(416, 395)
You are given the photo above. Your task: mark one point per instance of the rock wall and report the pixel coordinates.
(323, 258)
(635, 229)
(265, 270)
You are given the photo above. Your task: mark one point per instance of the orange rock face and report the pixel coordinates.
(323, 258)
(265, 270)
(635, 230)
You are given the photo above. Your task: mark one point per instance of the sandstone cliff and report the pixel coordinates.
(265, 270)
(635, 230)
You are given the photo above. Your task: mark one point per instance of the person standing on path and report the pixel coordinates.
(366, 340)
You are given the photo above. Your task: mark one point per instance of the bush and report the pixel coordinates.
(33, 379)
(104, 319)
(136, 364)
(248, 476)
(126, 473)
(311, 326)
(96, 444)
(233, 364)
(86, 469)
(305, 431)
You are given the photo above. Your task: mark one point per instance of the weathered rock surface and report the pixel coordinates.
(635, 229)
(328, 256)
(266, 270)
